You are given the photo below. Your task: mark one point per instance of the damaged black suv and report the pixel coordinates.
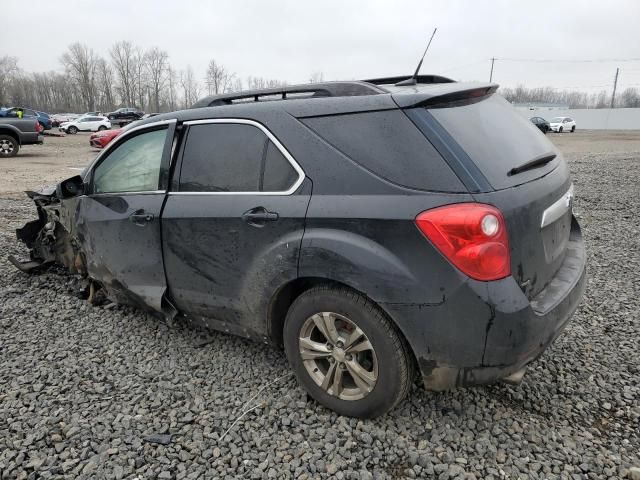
(375, 230)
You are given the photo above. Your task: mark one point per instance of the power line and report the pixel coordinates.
(558, 60)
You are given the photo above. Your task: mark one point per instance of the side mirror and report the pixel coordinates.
(71, 187)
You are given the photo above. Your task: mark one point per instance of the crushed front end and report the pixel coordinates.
(50, 238)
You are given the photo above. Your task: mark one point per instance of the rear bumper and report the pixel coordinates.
(31, 138)
(489, 330)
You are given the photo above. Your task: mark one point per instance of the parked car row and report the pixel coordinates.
(19, 112)
(557, 124)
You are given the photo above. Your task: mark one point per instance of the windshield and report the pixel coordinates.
(556, 120)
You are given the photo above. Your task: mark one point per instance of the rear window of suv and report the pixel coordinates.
(389, 145)
(497, 138)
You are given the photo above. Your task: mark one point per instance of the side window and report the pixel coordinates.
(279, 175)
(228, 157)
(221, 157)
(133, 166)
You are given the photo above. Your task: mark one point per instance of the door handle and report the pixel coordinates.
(139, 217)
(259, 216)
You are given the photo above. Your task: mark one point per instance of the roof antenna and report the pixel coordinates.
(414, 79)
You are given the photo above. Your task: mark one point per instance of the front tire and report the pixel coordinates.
(72, 130)
(101, 128)
(560, 130)
(346, 353)
(9, 146)
(573, 129)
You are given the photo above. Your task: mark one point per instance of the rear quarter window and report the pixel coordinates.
(389, 145)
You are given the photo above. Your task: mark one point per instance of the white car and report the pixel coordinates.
(86, 124)
(562, 124)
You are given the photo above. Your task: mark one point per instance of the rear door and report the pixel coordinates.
(118, 222)
(233, 227)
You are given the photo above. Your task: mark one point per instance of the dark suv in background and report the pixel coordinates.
(374, 229)
(124, 115)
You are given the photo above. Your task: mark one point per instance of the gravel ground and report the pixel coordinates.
(97, 392)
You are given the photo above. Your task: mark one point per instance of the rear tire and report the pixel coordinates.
(9, 146)
(101, 128)
(560, 130)
(363, 368)
(72, 130)
(573, 129)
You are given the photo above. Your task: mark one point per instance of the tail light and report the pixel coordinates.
(38, 127)
(472, 236)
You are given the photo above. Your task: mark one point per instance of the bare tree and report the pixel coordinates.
(105, 84)
(190, 87)
(123, 58)
(8, 69)
(80, 63)
(218, 79)
(630, 98)
(172, 80)
(157, 63)
(258, 83)
(139, 80)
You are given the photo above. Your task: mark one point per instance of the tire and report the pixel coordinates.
(387, 365)
(560, 130)
(9, 146)
(573, 129)
(72, 130)
(101, 128)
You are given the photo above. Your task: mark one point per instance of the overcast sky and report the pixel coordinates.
(289, 39)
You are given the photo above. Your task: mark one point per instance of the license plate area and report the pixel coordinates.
(556, 226)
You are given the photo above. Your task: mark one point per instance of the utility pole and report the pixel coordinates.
(615, 84)
(493, 59)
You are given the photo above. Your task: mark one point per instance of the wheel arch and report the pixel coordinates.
(11, 132)
(284, 297)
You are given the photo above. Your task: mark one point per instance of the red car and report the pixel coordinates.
(102, 138)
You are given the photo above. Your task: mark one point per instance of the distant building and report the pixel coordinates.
(541, 106)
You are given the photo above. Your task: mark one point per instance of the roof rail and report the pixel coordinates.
(419, 79)
(311, 90)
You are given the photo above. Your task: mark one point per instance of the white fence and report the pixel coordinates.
(592, 118)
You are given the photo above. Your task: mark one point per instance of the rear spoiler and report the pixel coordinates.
(443, 95)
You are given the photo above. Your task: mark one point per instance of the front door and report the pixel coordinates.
(118, 222)
(232, 230)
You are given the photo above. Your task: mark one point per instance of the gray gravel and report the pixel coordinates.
(98, 392)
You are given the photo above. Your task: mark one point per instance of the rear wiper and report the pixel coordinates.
(536, 162)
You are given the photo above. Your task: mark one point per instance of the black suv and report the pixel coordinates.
(372, 229)
(125, 114)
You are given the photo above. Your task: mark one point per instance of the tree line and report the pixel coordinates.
(127, 76)
(627, 98)
(131, 76)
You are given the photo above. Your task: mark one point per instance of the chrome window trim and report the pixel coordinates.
(276, 142)
(120, 194)
(558, 208)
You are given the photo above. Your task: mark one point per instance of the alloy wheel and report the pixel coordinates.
(338, 356)
(6, 147)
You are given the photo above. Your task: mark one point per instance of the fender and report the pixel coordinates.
(18, 133)
(356, 261)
